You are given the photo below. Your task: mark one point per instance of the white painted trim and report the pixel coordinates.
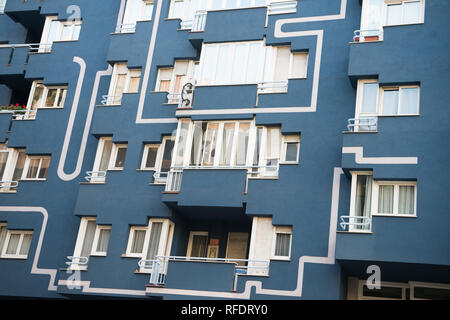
(360, 159)
(191, 239)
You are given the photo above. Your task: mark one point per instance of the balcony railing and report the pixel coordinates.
(24, 115)
(273, 86)
(32, 48)
(80, 261)
(355, 223)
(111, 100)
(362, 124)
(95, 176)
(8, 186)
(199, 22)
(367, 35)
(174, 98)
(282, 7)
(126, 28)
(159, 267)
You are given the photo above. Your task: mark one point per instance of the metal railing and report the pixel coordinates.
(273, 86)
(95, 176)
(24, 114)
(362, 124)
(173, 183)
(111, 100)
(126, 28)
(8, 185)
(355, 223)
(32, 48)
(282, 7)
(80, 261)
(174, 98)
(199, 22)
(158, 267)
(367, 35)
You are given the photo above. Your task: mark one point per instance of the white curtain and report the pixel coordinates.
(363, 199)
(13, 243)
(282, 244)
(26, 243)
(103, 240)
(199, 246)
(385, 199)
(406, 200)
(2, 237)
(409, 100)
(138, 241)
(88, 238)
(155, 237)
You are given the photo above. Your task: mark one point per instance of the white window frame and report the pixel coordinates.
(10, 166)
(191, 240)
(16, 255)
(386, 3)
(27, 166)
(431, 285)
(188, 76)
(289, 138)
(165, 241)
(398, 88)
(98, 229)
(281, 230)
(362, 283)
(160, 156)
(147, 147)
(113, 157)
(355, 175)
(121, 68)
(60, 89)
(128, 252)
(396, 185)
(140, 17)
(45, 45)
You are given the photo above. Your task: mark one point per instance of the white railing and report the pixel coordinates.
(8, 185)
(174, 98)
(273, 86)
(24, 114)
(280, 7)
(199, 22)
(81, 261)
(173, 183)
(160, 177)
(367, 35)
(95, 176)
(362, 124)
(111, 100)
(126, 28)
(159, 267)
(355, 223)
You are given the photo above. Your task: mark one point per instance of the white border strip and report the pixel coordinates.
(360, 159)
(34, 268)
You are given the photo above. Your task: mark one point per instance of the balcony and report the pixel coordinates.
(368, 35)
(365, 124)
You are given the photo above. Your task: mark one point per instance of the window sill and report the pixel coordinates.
(93, 183)
(58, 41)
(397, 115)
(355, 232)
(289, 163)
(31, 180)
(124, 255)
(280, 259)
(146, 170)
(349, 132)
(170, 192)
(393, 215)
(14, 258)
(263, 178)
(50, 108)
(403, 24)
(109, 105)
(115, 169)
(8, 192)
(97, 255)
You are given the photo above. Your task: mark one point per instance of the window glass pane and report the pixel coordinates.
(373, 15)
(164, 85)
(37, 97)
(147, 12)
(53, 32)
(230, 4)
(390, 102)
(33, 168)
(394, 14)
(181, 146)
(409, 100)
(167, 156)
(431, 293)
(132, 11)
(61, 98)
(51, 97)
(19, 166)
(386, 199)
(138, 241)
(216, 4)
(199, 246)
(363, 200)
(120, 85)
(197, 143)
(369, 101)
(88, 238)
(383, 292)
(133, 87)
(67, 32)
(106, 154)
(26, 243)
(406, 200)
(208, 64)
(223, 62)
(120, 159)
(227, 143)
(237, 74)
(13, 244)
(273, 143)
(151, 157)
(155, 237)
(291, 151)
(242, 144)
(44, 168)
(210, 144)
(3, 159)
(253, 62)
(283, 241)
(103, 240)
(256, 156)
(282, 63)
(76, 32)
(299, 65)
(411, 12)
(178, 7)
(2, 237)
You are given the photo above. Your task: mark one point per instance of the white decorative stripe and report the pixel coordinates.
(34, 268)
(360, 159)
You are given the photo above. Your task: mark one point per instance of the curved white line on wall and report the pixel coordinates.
(35, 269)
(360, 159)
(246, 294)
(62, 175)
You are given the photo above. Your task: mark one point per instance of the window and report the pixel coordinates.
(149, 157)
(14, 244)
(290, 148)
(42, 96)
(172, 80)
(158, 157)
(12, 162)
(2, 6)
(136, 10)
(395, 198)
(282, 243)
(149, 242)
(388, 291)
(55, 30)
(36, 168)
(400, 100)
(123, 80)
(92, 240)
(119, 152)
(404, 12)
(110, 156)
(361, 201)
(198, 244)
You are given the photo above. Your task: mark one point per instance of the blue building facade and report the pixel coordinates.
(209, 149)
